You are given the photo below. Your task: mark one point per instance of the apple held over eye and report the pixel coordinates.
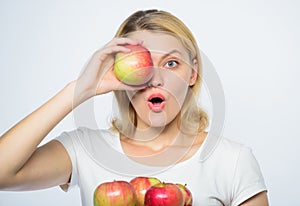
(187, 195)
(141, 185)
(116, 193)
(134, 67)
(164, 194)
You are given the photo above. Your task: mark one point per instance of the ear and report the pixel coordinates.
(194, 74)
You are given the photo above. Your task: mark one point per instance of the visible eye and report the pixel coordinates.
(171, 64)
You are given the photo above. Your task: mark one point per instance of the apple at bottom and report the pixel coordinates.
(142, 191)
(164, 194)
(116, 193)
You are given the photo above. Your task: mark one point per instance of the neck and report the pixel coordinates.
(158, 138)
(164, 150)
(151, 146)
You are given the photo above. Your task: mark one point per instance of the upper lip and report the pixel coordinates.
(156, 95)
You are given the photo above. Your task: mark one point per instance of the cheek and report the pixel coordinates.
(177, 85)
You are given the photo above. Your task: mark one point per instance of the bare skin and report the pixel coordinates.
(153, 154)
(29, 167)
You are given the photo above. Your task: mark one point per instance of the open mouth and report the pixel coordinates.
(156, 102)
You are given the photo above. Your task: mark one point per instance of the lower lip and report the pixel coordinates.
(157, 107)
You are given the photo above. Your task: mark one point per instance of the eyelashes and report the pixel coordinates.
(171, 64)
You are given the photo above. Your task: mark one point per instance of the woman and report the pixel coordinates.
(160, 130)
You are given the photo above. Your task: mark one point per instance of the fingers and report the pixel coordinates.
(100, 66)
(110, 50)
(116, 45)
(124, 41)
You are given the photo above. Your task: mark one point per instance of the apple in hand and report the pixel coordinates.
(141, 185)
(164, 194)
(187, 195)
(116, 193)
(135, 67)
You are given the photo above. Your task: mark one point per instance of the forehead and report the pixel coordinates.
(158, 42)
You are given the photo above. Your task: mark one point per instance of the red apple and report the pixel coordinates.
(134, 67)
(141, 185)
(116, 193)
(164, 194)
(187, 195)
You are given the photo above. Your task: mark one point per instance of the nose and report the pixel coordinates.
(157, 78)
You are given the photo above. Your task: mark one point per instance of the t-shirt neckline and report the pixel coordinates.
(196, 155)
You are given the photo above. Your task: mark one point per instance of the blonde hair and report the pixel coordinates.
(193, 119)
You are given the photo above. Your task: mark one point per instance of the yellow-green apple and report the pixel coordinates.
(134, 67)
(141, 185)
(187, 195)
(116, 193)
(164, 194)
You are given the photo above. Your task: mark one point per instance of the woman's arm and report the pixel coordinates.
(26, 167)
(260, 199)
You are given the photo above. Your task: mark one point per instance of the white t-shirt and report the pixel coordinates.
(228, 175)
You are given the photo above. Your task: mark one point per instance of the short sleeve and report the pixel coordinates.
(248, 179)
(66, 139)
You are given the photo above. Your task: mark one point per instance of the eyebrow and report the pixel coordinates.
(172, 52)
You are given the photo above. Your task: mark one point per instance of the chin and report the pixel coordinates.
(159, 120)
(157, 124)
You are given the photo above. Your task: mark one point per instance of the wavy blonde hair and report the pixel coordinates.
(193, 119)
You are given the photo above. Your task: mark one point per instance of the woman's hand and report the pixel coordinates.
(27, 167)
(98, 76)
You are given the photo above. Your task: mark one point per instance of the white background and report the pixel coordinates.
(253, 45)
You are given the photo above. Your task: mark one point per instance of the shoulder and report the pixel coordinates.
(239, 154)
(228, 144)
(228, 149)
(229, 159)
(222, 162)
(232, 154)
(238, 163)
(85, 132)
(88, 137)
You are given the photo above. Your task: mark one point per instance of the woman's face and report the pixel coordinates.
(160, 103)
